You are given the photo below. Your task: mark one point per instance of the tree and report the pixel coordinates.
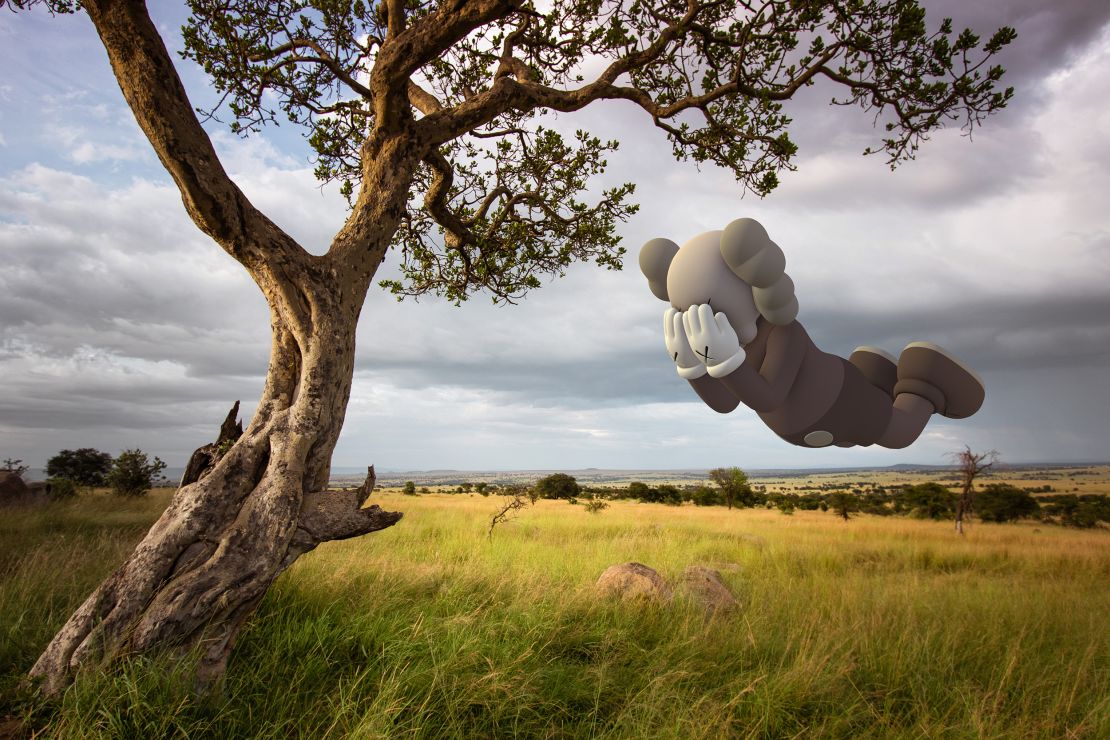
(409, 488)
(970, 465)
(133, 473)
(843, 504)
(1001, 502)
(14, 466)
(557, 485)
(84, 466)
(928, 500)
(733, 483)
(427, 114)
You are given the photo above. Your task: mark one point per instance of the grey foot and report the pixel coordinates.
(929, 371)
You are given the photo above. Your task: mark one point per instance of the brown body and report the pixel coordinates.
(797, 389)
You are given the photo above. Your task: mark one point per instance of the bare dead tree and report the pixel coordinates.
(970, 465)
(429, 116)
(518, 498)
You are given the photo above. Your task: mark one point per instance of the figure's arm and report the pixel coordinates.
(715, 394)
(716, 344)
(690, 367)
(766, 389)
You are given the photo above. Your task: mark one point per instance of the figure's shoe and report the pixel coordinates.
(926, 370)
(879, 367)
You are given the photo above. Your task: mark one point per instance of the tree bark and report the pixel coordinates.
(204, 566)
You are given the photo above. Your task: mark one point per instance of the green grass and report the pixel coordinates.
(876, 627)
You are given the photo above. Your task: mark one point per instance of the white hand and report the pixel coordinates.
(713, 339)
(675, 337)
(688, 364)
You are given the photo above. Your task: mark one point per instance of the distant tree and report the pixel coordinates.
(557, 485)
(517, 497)
(61, 488)
(481, 488)
(970, 466)
(663, 494)
(706, 496)
(1002, 502)
(843, 504)
(1078, 511)
(133, 473)
(927, 501)
(14, 466)
(409, 489)
(85, 466)
(639, 491)
(733, 483)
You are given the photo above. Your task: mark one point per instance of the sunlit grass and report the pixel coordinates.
(871, 627)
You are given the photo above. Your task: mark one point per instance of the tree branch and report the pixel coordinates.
(153, 90)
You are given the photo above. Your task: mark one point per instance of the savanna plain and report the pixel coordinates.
(870, 627)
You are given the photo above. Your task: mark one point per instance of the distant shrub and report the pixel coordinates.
(14, 466)
(557, 485)
(409, 489)
(85, 466)
(596, 505)
(61, 488)
(706, 496)
(1001, 502)
(133, 473)
(927, 501)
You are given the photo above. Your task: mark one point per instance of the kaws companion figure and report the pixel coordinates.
(732, 333)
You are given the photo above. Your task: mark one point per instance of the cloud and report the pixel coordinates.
(122, 324)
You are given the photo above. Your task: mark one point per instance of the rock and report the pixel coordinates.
(704, 586)
(14, 492)
(634, 581)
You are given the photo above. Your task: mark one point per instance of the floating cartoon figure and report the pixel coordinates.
(732, 334)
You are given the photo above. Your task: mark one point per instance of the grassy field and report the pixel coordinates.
(875, 627)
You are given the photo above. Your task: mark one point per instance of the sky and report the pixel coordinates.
(122, 326)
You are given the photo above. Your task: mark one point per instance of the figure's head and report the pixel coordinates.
(739, 271)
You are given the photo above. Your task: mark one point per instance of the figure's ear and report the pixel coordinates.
(758, 261)
(655, 260)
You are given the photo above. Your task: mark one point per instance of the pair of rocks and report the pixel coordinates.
(699, 583)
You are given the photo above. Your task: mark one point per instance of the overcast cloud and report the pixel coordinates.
(121, 325)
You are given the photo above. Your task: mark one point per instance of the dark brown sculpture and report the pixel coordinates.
(732, 333)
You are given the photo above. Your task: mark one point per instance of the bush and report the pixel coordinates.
(409, 488)
(1001, 502)
(706, 496)
(927, 501)
(133, 473)
(85, 467)
(558, 485)
(596, 506)
(62, 488)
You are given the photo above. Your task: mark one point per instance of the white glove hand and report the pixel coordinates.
(689, 365)
(713, 339)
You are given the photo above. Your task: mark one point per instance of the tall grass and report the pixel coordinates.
(875, 627)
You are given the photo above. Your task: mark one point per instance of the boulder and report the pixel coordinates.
(634, 581)
(704, 586)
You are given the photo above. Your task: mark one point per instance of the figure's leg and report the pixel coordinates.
(911, 414)
(930, 380)
(879, 367)
(929, 371)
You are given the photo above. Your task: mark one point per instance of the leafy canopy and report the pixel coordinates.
(501, 198)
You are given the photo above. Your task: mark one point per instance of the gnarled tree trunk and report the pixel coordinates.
(206, 563)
